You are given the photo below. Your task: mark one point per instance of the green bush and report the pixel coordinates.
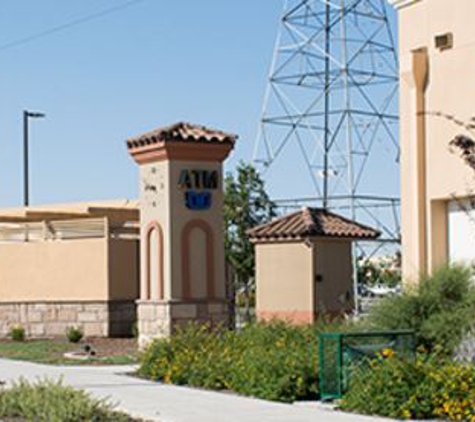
(427, 388)
(272, 361)
(17, 333)
(440, 309)
(48, 401)
(74, 334)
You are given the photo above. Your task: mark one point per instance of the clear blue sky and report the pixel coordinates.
(151, 64)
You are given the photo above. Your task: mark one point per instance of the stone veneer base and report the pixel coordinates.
(158, 319)
(50, 319)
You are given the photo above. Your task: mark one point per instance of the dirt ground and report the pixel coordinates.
(112, 346)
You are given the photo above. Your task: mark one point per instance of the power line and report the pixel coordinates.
(74, 22)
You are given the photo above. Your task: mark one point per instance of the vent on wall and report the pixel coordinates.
(444, 41)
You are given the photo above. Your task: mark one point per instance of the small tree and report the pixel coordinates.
(246, 205)
(464, 146)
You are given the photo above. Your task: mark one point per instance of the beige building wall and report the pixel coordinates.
(69, 271)
(285, 281)
(297, 281)
(154, 198)
(54, 271)
(198, 256)
(160, 194)
(433, 81)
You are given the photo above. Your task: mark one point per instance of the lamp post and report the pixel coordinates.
(26, 189)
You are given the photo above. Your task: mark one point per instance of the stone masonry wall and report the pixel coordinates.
(50, 319)
(158, 319)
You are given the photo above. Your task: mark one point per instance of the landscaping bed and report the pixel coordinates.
(279, 362)
(51, 351)
(272, 361)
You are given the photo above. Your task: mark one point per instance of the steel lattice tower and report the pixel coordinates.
(332, 96)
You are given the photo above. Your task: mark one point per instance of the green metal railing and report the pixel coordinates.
(340, 354)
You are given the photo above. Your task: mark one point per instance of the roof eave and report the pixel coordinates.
(303, 238)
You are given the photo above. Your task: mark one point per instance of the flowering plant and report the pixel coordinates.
(430, 387)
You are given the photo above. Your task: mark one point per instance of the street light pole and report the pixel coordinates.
(26, 171)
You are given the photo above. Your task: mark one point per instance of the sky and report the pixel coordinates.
(154, 63)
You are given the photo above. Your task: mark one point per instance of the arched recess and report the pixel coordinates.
(154, 227)
(202, 225)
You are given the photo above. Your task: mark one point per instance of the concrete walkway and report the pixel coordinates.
(166, 403)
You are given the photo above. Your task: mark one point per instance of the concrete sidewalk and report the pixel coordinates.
(166, 403)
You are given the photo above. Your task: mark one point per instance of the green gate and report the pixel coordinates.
(342, 353)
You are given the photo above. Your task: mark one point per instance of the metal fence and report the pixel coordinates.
(341, 354)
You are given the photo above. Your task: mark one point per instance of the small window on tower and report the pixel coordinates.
(445, 41)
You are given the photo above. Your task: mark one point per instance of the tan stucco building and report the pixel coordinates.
(108, 265)
(437, 94)
(70, 265)
(304, 265)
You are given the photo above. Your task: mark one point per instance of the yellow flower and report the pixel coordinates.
(388, 353)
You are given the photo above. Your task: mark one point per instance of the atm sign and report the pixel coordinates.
(197, 184)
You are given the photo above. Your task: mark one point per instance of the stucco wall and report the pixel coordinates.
(450, 90)
(213, 217)
(284, 277)
(160, 194)
(72, 270)
(155, 206)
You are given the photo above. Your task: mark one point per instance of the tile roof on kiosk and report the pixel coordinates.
(311, 222)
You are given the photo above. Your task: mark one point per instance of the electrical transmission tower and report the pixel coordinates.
(330, 118)
(332, 96)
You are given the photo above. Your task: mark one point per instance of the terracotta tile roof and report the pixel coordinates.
(311, 222)
(185, 132)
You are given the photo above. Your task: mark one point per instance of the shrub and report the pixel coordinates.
(275, 362)
(17, 333)
(74, 334)
(272, 361)
(428, 388)
(440, 309)
(48, 401)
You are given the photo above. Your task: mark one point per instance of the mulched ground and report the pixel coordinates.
(112, 346)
